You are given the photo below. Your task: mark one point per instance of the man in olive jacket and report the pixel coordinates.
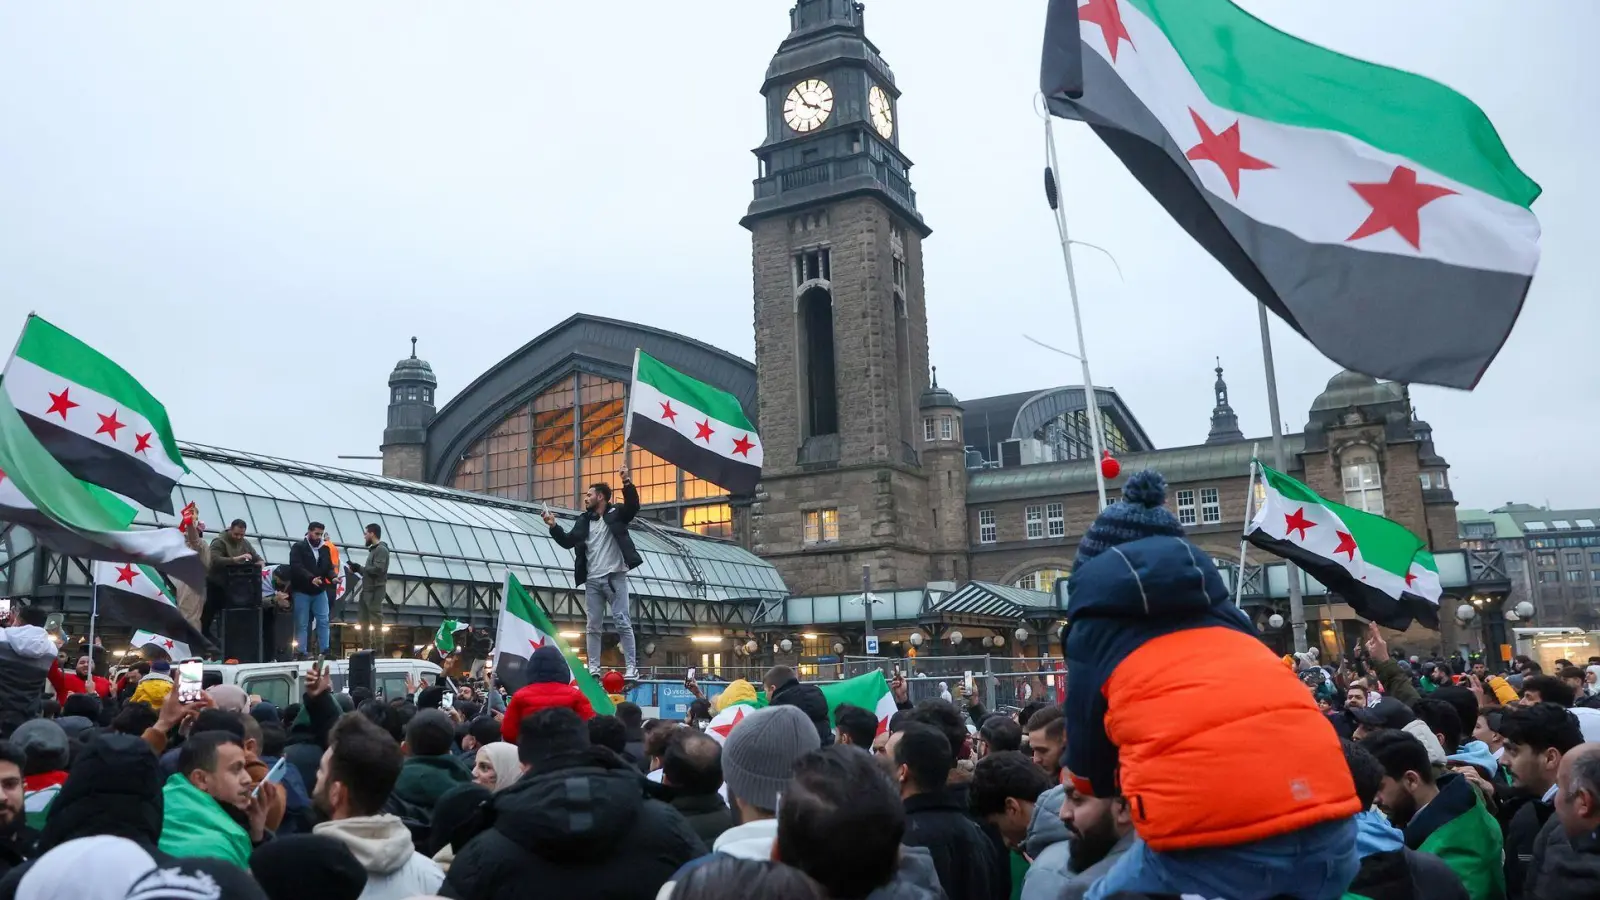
(374, 582)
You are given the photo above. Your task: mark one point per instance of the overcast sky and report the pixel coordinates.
(254, 206)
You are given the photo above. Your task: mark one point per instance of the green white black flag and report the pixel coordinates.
(696, 427)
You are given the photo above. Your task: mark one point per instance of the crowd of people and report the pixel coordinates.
(1186, 760)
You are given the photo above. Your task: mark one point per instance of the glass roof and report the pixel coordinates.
(439, 533)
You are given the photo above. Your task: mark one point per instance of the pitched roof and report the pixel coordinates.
(1180, 465)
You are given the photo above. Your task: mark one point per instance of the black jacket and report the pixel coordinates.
(16, 846)
(1521, 832)
(808, 699)
(962, 854)
(306, 564)
(1563, 868)
(1406, 874)
(705, 813)
(576, 826)
(26, 654)
(617, 519)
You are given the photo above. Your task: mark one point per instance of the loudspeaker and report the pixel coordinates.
(363, 671)
(241, 587)
(241, 636)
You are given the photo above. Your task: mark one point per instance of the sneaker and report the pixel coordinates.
(594, 672)
(632, 674)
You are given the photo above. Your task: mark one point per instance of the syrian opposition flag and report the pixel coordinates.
(173, 648)
(92, 416)
(869, 691)
(1375, 211)
(444, 640)
(137, 596)
(524, 628)
(1364, 558)
(1423, 583)
(694, 426)
(79, 519)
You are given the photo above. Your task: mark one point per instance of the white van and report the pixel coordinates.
(283, 683)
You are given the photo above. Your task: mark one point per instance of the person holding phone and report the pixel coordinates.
(602, 553)
(311, 577)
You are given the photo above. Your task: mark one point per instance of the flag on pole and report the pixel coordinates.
(1364, 558)
(869, 691)
(92, 416)
(174, 649)
(525, 628)
(137, 596)
(696, 427)
(444, 640)
(1424, 581)
(1375, 211)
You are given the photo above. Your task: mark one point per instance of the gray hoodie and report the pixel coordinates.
(914, 879)
(1051, 876)
(26, 653)
(1046, 827)
(382, 844)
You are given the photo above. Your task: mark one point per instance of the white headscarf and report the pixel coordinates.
(507, 768)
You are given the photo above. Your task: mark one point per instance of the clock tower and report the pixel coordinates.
(850, 476)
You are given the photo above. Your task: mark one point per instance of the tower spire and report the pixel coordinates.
(1224, 423)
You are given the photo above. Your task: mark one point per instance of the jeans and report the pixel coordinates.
(608, 590)
(1314, 863)
(305, 606)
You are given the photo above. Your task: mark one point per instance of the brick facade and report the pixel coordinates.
(404, 461)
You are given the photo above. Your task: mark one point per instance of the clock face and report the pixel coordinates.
(882, 114)
(808, 105)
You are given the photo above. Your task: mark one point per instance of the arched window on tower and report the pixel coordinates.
(902, 369)
(819, 402)
(1363, 480)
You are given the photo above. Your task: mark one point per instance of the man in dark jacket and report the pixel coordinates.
(26, 656)
(1536, 737)
(374, 585)
(783, 688)
(601, 558)
(692, 769)
(311, 578)
(16, 838)
(1389, 869)
(577, 824)
(430, 770)
(632, 719)
(937, 820)
(1566, 856)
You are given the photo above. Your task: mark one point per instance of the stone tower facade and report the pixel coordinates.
(411, 407)
(841, 323)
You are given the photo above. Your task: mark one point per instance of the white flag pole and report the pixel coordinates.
(1249, 516)
(94, 613)
(1280, 461)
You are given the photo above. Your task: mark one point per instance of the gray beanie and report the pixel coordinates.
(42, 739)
(759, 756)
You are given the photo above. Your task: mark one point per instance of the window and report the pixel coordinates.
(1575, 574)
(1594, 558)
(810, 265)
(1042, 580)
(1054, 514)
(1549, 577)
(1595, 575)
(947, 428)
(1186, 507)
(427, 395)
(1585, 523)
(1547, 559)
(1427, 481)
(1438, 481)
(927, 429)
(986, 526)
(1210, 506)
(1363, 482)
(1573, 559)
(821, 525)
(1035, 520)
(1533, 526)
(1562, 525)
(714, 520)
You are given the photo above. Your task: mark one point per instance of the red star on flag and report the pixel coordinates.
(743, 446)
(109, 424)
(1396, 204)
(126, 574)
(883, 725)
(1410, 578)
(169, 643)
(738, 716)
(668, 413)
(1298, 522)
(1223, 149)
(704, 431)
(1347, 545)
(60, 403)
(536, 643)
(1108, 15)
(143, 442)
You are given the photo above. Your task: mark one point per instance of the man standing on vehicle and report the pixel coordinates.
(602, 555)
(374, 581)
(311, 576)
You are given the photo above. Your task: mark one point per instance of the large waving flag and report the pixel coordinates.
(137, 596)
(869, 691)
(92, 416)
(696, 427)
(524, 628)
(1364, 558)
(172, 647)
(1375, 211)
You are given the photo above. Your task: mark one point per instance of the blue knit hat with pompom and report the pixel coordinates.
(1139, 514)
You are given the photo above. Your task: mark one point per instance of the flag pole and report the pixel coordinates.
(1090, 397)
(1297, 606)
(1249, 515)
(94, 613)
